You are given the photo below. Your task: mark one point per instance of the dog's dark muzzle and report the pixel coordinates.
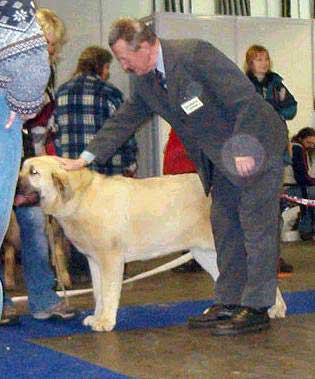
(23, 200)
(25, 196)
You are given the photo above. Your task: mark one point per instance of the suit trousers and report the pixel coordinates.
(245, 222)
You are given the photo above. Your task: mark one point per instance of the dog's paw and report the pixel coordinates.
(103, 325)
(277, 311)
(99, 324)
(89, 320)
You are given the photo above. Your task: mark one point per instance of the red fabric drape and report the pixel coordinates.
(176, 160)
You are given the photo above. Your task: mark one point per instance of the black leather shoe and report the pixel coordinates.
(247, 320)
(190, 266)
(306, 236)
(218, 313)
(284, 267)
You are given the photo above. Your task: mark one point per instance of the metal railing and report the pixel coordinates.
(233, 7)
(274, 8)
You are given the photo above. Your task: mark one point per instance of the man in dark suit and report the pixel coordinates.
(236, 140)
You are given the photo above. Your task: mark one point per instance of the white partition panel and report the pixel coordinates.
(289, 42)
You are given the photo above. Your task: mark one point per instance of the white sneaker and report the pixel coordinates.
(59, 311)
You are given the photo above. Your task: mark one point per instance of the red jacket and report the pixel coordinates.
(176, 160)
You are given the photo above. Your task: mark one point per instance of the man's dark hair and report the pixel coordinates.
(132, 31)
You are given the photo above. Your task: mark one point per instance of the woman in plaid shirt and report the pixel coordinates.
(82, 106)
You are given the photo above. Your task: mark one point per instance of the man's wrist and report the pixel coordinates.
(87, 157)
(82, 162)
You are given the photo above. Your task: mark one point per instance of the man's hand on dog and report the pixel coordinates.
(72, 164)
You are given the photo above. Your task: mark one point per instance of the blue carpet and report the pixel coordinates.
(18, 357)
(26, 360)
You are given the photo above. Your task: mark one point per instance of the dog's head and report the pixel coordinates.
(45, 178)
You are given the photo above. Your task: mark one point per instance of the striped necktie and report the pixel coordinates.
(160, 79)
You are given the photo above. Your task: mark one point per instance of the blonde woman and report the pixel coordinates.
(24, 73)
(54, 30)
(39, 278)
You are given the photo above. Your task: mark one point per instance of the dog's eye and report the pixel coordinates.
(33, 171)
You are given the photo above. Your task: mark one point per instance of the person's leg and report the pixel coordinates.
(10, 159)
(231, 256)
(229, 242)
(259, 214)
(311, 210)
(305, 224)
(43, 301)
(1, 298)
(38, 274)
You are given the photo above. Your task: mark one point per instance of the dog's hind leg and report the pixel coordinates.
(11, 244)
(279, 309)
(9, 265)
(207, 259)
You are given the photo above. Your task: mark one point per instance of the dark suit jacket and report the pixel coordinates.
(233, 121)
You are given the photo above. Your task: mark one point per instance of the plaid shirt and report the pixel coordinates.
(82, 106)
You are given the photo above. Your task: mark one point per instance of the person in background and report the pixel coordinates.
(83, 104)
(236, 141)
(270, 86)
(176, 161)
(24, 72)
(43, 302)
(42, 128)
(303, 143)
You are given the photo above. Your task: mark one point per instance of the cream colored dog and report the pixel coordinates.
(114, 220)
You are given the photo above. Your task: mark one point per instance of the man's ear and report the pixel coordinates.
(61, 182)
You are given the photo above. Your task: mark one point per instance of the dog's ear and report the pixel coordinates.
(61, 182)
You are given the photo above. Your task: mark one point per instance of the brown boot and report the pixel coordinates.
(9, 316)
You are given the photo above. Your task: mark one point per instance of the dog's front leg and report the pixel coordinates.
(111, 270)
(207, 259)
(97, 291)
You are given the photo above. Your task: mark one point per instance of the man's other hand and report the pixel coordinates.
(245, 165)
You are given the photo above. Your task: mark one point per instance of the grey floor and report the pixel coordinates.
(286, 351)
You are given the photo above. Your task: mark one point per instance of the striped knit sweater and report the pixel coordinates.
(24, 68)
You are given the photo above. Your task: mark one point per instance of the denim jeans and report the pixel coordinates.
(38, 275)
(307, 222)
(10, 158)
(307, 218)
